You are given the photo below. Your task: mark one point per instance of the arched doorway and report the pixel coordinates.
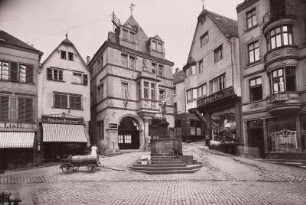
(128, 133)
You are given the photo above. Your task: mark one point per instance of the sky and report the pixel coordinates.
(44, 23)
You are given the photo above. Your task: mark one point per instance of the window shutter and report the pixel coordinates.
(21, 109)
(28, 110)
(29, 74)
(4, 108)
(14, 71)
(49, 73)
(85, 79)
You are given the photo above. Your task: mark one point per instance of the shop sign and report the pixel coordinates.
(62, 120)
(216, 96)
(12, 125)
(112, 125)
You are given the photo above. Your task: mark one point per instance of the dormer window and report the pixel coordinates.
(157, 46)
(128, 35)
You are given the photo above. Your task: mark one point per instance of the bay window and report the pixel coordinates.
(280, 36)
(283, 79)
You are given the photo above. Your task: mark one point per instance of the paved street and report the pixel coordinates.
(222, 180)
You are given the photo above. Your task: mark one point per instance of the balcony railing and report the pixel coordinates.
(277, 14)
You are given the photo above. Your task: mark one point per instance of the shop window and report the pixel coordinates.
(253, 51)
(282, 135)
(55, 74)
(4, 108)
(283, 80)
(280, 36)
(251, 19)
(256, 89)
(218, 54)
(204, 39)
(25, 110)
(195, 127)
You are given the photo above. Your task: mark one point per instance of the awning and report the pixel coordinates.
(64, 133)
(16, 139)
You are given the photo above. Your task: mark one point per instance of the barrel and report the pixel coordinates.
(86, 159)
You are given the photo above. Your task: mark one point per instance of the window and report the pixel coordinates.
(55, 74)
(22, 73)
(124, 59)
(256, 89)
(125, 34)
(124, 90)
(202, 90)
(67, 101)
(101, 129)
(60, 100)
(63, 55)
(138, 90)
(160, 70)
(80, 78)
(201, 68)
(253, 50)
(218, 53)
(132, 62)
(280, 36)
(195, 127)
(132, 36)
(160, 47)
(75, 102)
(154, 68)
(4, 70)
(146, 90)
(4, 108)
(25, 110)
(154, 45)
(251, 19)
(128, 35)
(217, 84)
(101, 90)
(153, 91)
(204, 39)
(192, 94)
(70, 56)
(283, 80)
(162, 95)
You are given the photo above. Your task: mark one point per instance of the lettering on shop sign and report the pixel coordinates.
(216, 96)
(13, 125)
(112, 125)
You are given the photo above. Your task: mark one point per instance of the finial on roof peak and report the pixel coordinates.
(132, 8)
(66, 35)
(203, 3)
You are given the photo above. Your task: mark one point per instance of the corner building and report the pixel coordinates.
(131, 84)
(272, 37)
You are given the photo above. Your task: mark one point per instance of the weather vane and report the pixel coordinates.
(132, 8)
(203, 1)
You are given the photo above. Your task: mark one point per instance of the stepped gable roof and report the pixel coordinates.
(178, 77)
(7, 39)
(226, 25)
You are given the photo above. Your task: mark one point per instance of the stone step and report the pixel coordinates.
(151, 172)
(150, 168)
(166, 159)
(168, 162)
(160, 165)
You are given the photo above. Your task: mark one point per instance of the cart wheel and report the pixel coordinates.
(91, 167)
(66, 168)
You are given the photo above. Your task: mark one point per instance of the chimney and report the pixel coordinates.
(87, 59)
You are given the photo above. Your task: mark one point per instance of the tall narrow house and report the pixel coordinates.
(272, 37)
(212, 83)
(19, 64)
(64, 102)
(131, 84)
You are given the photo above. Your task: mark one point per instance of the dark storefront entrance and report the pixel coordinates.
(128, 134)
(256, 136)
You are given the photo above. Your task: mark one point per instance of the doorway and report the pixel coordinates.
(128, 133)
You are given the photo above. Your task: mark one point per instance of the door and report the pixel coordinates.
(128, 134)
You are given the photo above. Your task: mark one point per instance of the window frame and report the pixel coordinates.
(219, 82)
(255, 86)
(218, 54)
(252, 50)
(204, 39)
(70, 56)
(277, 35)
(282, 88)
(201, 66)
(63, 55)
(252, 17)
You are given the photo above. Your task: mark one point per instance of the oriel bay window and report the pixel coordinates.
(153, 91)
(256, 89)
(146, 90)
(124, 90)
(280, 36)
(283, 80)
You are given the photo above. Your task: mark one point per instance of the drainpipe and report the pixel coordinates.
(228, 38)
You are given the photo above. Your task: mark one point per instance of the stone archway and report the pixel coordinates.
(129, 132)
